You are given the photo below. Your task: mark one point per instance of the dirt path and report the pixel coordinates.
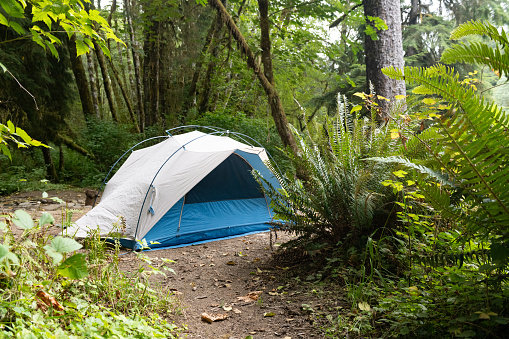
(209, 278)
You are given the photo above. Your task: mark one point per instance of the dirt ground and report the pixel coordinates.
(210, 278)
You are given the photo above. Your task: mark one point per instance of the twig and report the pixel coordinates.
(20, 85)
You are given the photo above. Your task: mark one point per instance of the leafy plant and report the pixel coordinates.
(342, 194)
(466, 142)
(46, 287)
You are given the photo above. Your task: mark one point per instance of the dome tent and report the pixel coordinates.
(190, 188)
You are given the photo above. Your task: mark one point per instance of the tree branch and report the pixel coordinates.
(343, 17)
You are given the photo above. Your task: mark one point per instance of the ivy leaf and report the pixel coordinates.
(74, 267)
(65, 245)
(23, 220)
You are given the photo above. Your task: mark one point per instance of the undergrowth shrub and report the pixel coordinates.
(47, 291)
(454, 250)
(338, 200)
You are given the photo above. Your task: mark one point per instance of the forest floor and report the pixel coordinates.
(209, 278)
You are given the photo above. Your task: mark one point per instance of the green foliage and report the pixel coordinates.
(47, 292)
(477, 52)
(469, 145)
(16, 135)
(69, 15)
(341, 193)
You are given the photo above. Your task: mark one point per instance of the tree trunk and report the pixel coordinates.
(137, 67)
(51, 171)
(81, 79)
(386, 51)
(93, 85)
(277, 111)
(191, 96)
(151, 73)
(125, 96)
(106, 81)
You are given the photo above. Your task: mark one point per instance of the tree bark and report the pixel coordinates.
(277, 110)
(106, 81)
(51, 171)
(386, 51)
(137, 67)
(81, 79)
(93, 85)
(126, 97)
(214, 52)
(151, 73)
(191, 96)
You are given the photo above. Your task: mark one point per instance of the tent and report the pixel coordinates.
(190, 188)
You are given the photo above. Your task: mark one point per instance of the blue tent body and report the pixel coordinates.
(200, 189)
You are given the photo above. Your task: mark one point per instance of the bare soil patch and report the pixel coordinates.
(210, 278)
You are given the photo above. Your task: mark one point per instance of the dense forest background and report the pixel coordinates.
(180, 63)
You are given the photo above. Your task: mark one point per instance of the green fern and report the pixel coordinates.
(469, 142)
(342, 193)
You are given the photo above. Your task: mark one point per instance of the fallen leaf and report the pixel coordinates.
(269, 314)
(251, 296)
(289, 319)
(49, 300)
(231, 263)
(227, 308)
(210, 318)
(287, 338)
(259, 270)
(237, 311)
(364, 306)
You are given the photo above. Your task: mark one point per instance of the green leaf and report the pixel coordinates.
(52, 49)
(356, 108)
(12, 128)
(23, 220)
(17, 27)
(74, 267)
(81, 48)
(21, 132)
(12, 8)
(57, 257)
(3, 252)
(46, 218)
(3, 20)
(65, 245)
(5, 150)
